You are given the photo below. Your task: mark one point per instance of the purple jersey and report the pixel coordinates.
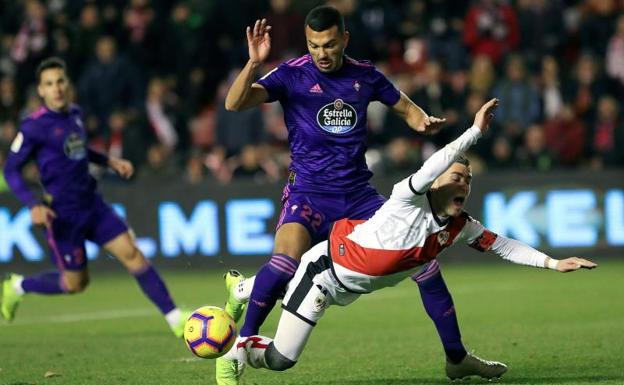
(325, 114)
(58, 143)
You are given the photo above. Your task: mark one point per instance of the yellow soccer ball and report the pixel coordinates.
(209, 332)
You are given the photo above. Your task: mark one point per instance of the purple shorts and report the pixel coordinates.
(66, 238)
(317, 211)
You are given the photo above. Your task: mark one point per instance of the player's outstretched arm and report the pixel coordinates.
(442, 159)
(244, 93)
(518, 252)
(416, 118)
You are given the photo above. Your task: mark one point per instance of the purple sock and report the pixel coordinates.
(439, 305)
(155, 289)
(48, 282)
(270, 283)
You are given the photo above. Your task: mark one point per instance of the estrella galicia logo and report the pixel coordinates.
(74, 147)
(337, 117)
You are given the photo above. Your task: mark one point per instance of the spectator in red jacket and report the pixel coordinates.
(491, 29)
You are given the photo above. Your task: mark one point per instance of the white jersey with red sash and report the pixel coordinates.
(404, 233)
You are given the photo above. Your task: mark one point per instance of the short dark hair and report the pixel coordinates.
(463, 160)
(51, 62)
(323, 18)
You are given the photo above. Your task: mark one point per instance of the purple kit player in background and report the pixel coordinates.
(73, 211)
(325, 96)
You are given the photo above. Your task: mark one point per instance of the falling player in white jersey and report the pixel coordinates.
(423, 216)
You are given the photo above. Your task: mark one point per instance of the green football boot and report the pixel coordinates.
(178, 328)
(228, 371)
(233, 306)
(472, 365)
(10, 297)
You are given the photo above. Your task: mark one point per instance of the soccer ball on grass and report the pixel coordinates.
(209, 332)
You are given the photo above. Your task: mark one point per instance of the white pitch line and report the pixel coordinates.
(188, 359)
(80, 317)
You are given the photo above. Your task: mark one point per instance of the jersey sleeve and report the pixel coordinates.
(518, 252)
(384, 91)
(442, 159)
(404, 190)
(276, 83)
(97, 157)
(482, 239)
(417, 184)
(23, 148)
(476, 235)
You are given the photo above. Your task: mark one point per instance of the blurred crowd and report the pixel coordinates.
(151, 76)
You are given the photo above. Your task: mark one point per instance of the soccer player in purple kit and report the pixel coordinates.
(325, 95)
(72, 210)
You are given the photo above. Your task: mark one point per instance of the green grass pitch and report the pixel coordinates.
(550, 328)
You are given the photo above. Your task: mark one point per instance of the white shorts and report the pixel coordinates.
(314, 287)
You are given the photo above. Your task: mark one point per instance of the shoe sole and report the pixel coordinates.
(460, 380)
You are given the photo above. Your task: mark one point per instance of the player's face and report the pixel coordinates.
(327, 47)
(54, 89)
(451, 190)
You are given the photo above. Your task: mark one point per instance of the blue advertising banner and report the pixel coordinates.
(563, 214)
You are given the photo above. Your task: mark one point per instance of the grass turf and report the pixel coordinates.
(549, 328)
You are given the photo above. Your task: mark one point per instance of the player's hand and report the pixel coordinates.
(574, 263)
(485, 115)
(431, 125)
(122, 167)
(42, 215)
(259, 41)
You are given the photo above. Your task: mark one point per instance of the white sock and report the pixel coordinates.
(173, 317)
(242, 292)
(17, 286)
(253, 352)
(232, 354)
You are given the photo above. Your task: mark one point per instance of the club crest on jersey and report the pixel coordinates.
(337, 117)
(74, 147)
(443, 237)
(357, 86)
(320, 302)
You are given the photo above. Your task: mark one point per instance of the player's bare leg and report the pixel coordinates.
(124, 249)
(75, 281)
